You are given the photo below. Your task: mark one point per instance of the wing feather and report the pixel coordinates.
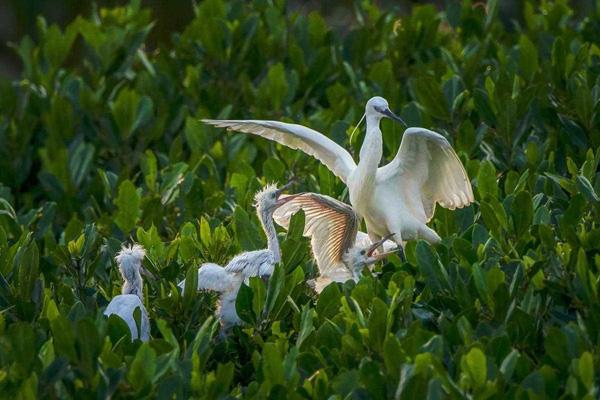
(311, 142)
(330, 223)
(426, 160)
(252, 263)
(212, 277)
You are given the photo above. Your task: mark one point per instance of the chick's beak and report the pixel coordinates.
(375, 245)
(388, 113)
(282, 200)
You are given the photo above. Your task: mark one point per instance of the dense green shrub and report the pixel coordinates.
(100, 143)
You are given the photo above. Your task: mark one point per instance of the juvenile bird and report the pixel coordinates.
(129, 261)
(227, 280)
(333, 227)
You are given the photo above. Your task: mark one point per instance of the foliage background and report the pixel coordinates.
(100, 143)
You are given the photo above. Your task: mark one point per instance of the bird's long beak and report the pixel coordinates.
(388, 113)
(375, 245)
(281, 202)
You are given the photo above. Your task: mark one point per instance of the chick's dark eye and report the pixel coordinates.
(362, 252)
(273, 195)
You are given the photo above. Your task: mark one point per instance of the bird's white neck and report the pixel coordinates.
(134, 285)
(266, 220)
(362, 182)
(371, 150)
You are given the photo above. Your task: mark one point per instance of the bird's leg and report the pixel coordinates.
(400, 250)
(429, 234)
(397, 238)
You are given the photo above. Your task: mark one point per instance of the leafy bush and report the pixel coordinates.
(100, 143)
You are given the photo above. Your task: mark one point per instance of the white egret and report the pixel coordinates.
(129, 260)
(227, 280)
(332, 226)
(399, 197)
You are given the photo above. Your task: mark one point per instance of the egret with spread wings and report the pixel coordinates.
(332, 227)
(227, 280)
(399, 197)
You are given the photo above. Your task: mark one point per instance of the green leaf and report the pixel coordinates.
(522, 212)
(487, 185)
(274, 88)
(430, 266)
(64, 342)
(171, 179)
(328, 303)
(272, 365)
(243, 305)
(57, 45)
(528, 58)
(585, 187)
(143, 366)
(195, 135)
(273, 170)
(377, 323)
(481, 285)
(28, 261)
(306, 325)
(80, 162)
(22, 345)
(586, 370)
(555, 345)
(509, 364)
(484, 107)
(276, 283)
(150, 169)
(191, 286)
(474, 365)
(246, 232)
(429, 94)
(128, 206)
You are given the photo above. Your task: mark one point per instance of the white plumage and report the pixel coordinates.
(215, 278)
(261, 263)
(332, 227)
(399, 197)
(129, 261)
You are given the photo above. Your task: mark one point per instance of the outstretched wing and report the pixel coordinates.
(313, 143)
(212, 277)
(252, 263)
(427, 170)
(330, 223)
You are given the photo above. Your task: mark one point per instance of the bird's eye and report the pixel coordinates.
(362, 252)
(273, 195)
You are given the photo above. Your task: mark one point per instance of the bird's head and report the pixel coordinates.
(358, 258)
(379, 107)
(129, 260)
(270, 197)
